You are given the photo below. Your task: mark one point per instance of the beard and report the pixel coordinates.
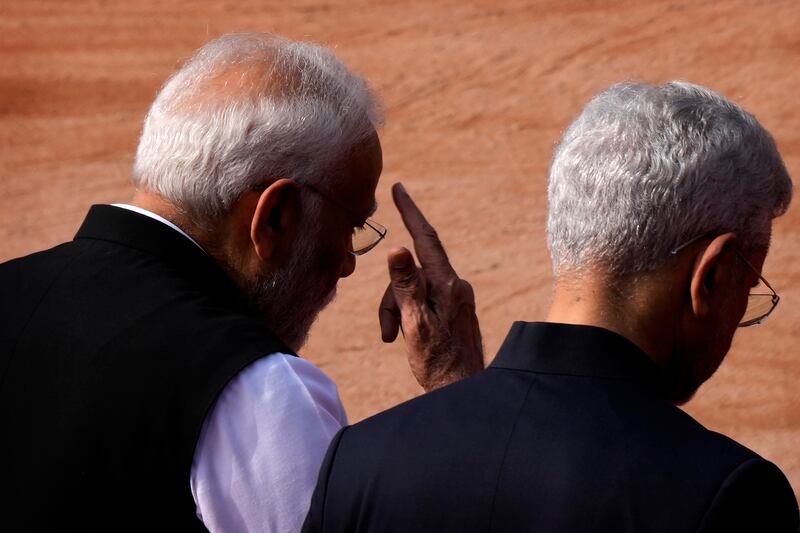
(683, 378)
(691, 366)
(290, 299)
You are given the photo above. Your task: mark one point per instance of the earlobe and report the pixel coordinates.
(708, 277)
(272, 215)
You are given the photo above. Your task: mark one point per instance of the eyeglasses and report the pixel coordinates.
(365, 237)
(762, 299)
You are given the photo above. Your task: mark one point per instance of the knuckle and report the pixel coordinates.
(405, 280)
(429, 231)
(404, 276)
(451, 284)
(466, 288)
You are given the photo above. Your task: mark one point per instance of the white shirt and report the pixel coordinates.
(259, 453)
(261, 445)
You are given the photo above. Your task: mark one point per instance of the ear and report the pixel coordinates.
(712, 274)
(275, 218)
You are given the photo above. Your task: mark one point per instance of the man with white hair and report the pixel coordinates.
(661, 201)
(149, 375)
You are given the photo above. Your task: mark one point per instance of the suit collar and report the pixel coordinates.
(135, 230)
(574, 350)
(158, 217)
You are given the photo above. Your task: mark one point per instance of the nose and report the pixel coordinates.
(348, 266)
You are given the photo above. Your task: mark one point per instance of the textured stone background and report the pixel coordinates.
(476, 94)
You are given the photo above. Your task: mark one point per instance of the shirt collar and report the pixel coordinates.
(161, 219)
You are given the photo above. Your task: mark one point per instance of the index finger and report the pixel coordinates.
(429, 248)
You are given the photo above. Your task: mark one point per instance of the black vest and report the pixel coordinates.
(113, 348)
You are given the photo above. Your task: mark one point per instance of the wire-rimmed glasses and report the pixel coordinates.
(365, 237)
(761, 301)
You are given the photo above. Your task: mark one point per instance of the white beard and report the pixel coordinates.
(290, 300)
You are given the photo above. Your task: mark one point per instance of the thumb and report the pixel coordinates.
(406, 278)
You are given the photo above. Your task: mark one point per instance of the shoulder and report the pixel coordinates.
(262, 444)
(728, 486)
(755, 496)
(284, 380)
(474, 417)
(27, 280)
(476, 400)
(287, 373)
(42, 261)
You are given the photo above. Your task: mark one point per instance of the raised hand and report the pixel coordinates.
(433, 306)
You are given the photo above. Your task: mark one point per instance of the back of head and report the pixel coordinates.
(245, 110)
(645, 168)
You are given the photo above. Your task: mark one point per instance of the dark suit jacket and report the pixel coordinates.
(113, 347)
(566, 431)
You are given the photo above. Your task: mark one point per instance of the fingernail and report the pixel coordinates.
(402, 188)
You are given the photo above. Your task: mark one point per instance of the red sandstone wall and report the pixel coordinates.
(475, 96)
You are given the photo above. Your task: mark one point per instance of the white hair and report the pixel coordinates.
(644, 169)
(246, 109)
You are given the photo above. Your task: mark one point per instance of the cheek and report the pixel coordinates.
(726, 328)
(329, 262)
(738, 307)
(331, 253)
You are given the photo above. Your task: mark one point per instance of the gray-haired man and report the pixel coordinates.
(661, 202)
(148, 369)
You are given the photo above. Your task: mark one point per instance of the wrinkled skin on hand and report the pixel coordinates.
(434, 308)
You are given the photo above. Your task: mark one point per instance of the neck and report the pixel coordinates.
(631, 308)
(164, 208)
(225, 241)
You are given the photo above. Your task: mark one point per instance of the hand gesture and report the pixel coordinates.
(433, 306)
